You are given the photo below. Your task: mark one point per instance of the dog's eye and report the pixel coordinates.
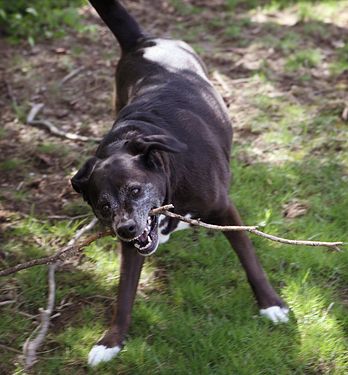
(135, 192)
(105, 210)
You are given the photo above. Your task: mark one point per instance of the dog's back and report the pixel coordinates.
(163, 82)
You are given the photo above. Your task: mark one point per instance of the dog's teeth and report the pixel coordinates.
(149, 220)
(148, 245)
(137, 245)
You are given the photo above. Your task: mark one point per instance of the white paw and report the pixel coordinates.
(276, 313)
(100, 353)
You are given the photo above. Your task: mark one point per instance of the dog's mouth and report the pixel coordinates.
(147, 242)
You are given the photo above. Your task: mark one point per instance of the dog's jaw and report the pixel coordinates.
(147, 241)
(101, 353)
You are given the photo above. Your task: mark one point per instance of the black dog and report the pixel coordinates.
(170, 143)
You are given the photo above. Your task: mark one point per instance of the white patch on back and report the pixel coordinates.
(162, 238)
(100, 353)
(276, 313)
(175, 55)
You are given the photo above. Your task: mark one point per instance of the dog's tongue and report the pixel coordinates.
(143, 237)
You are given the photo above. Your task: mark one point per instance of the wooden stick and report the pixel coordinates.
(47, 125)
(70, 251)
(252, 229)
(71, 75)
(65, 253)
(31, 345)
(295, 242)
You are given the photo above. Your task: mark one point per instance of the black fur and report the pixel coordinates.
(170, 143)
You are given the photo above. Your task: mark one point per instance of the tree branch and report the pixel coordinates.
(47, 125)
(31, 345)
(72, 250)
(61, 255)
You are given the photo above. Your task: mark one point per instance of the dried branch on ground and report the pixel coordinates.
(47, 125)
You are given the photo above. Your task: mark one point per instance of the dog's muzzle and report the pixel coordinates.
(147, 242)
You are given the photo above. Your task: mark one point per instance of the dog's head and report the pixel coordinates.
(124, 185)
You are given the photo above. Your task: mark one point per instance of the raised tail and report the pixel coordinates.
(119, 21)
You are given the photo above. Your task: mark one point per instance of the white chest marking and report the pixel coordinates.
(175, 55)
(162, 238)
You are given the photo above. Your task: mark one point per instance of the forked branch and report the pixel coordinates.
(72, 250)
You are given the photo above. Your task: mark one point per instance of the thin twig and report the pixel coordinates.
(71, 75)
(253, 229)
(9, 348)
(218, 77)
(61, 255)
(82, 231)
(198, 223)
(47, 125)
(67, 217)
(30, 346)
(294, 242)
(70, 251)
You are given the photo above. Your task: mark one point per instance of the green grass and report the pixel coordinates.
(20, 20)
(200, 316)
(184, 8)
(303, 59)
(340, 65)
(11, 165)
(54, 149)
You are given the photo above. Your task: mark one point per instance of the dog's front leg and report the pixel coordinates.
(112, 341)
(271, 305)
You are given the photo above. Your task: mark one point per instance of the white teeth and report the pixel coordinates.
(148, 245)
(149, 220)
(137, 245)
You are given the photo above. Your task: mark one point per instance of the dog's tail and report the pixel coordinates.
(119, 21)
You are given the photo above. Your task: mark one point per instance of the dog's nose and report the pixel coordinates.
(126, 229)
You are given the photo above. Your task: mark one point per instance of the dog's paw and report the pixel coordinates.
(276, 313)
(100, 353)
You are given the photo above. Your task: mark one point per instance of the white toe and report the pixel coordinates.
(276, 313)
(100, 353)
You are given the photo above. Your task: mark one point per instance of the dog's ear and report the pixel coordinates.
(144, 145)
(81, 178)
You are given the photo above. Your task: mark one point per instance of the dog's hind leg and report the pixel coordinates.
(112, 341)
(271, 305)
